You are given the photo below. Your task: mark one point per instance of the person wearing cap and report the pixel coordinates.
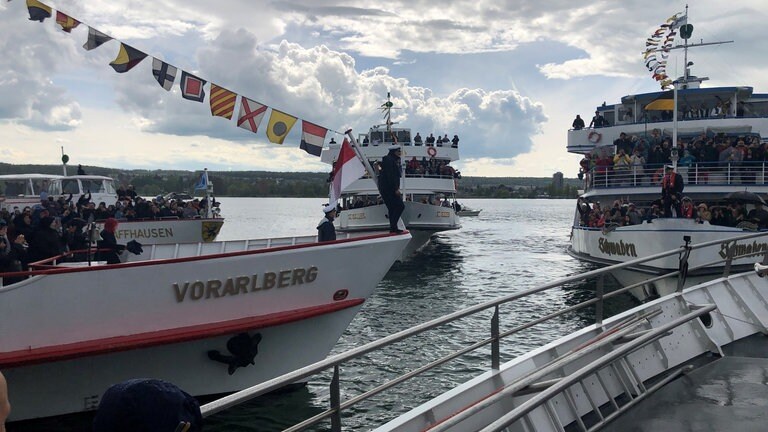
(389, 186)
(325, 230)
(671, 188)
(147, 405)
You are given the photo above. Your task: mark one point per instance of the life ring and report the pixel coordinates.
(431, 152)
(594, 137)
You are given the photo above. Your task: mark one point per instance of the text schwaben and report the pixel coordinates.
(742, 249)
(144, 233)
(215, 288)
(617, 248)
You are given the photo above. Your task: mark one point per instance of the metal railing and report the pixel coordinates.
(702, 173)
(337, 406)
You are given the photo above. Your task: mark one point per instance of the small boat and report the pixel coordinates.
(700, 352)
(211, 317)
(723, 130)
(428, 190)
(21, 190)
(466, 211)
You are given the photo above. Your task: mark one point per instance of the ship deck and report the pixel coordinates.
(730, 393)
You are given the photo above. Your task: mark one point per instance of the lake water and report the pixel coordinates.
(512, 246)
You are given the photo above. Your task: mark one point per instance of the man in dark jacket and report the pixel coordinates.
(46, 241)
(325, 229)
(389, 186)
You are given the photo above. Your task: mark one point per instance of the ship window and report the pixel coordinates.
(67, 186)
(14, 187)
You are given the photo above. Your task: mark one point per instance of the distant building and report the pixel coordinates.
(557, 180)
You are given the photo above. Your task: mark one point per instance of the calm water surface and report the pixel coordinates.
(512, 246)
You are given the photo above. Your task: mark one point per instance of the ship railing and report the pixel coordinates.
(72, 260)
(448, 323)
(701, 173)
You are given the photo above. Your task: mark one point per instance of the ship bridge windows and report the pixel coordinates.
(16, 188)
(66, 187)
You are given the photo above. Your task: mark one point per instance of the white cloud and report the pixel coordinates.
(332, 62)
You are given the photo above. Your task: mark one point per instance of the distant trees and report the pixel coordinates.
(296, 184)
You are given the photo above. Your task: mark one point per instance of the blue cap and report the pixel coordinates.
(147, 405)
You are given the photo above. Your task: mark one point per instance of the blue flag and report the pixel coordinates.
(203, 182)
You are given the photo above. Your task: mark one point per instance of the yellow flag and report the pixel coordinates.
(279, 125)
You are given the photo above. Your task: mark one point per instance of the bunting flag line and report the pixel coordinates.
(164, 73)
(66, 22)
(312, 138)
(192, 87)
(95, 39)
(222, 102)
(279, 125)
(251, 113)
(658, 47)
(127, 58)
(38, 11)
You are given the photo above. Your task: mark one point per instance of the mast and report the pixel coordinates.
(386, 107)
(686, 30)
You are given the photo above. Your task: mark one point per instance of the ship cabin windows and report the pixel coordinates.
(20, 187)
(377, 137)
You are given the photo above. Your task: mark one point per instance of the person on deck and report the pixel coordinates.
(389, 186)
(417, 140)
(46, 241)
(325, 230)
(578, 123)
(671, 188)
(109, 241)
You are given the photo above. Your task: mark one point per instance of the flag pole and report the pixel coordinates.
(208, 187)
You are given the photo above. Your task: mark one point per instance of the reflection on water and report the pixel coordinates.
(512, 246)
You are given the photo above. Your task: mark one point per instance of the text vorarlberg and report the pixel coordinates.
(215, 288)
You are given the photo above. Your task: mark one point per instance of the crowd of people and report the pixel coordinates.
(431, 167)
(621, 213)
(56, 225)
(404, 139)
(637, 159)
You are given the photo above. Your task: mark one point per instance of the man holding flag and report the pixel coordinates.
(389, 186)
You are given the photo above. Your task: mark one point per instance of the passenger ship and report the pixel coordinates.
(22, 190)
(717, 116)
(429, 198)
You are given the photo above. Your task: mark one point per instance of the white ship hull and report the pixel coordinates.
(422, 220)
(627, 243)
(69, 332)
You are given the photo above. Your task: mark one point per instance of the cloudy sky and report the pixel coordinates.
(506, 76)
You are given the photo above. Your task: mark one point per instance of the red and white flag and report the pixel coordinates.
(251, 113)
(346, 170)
